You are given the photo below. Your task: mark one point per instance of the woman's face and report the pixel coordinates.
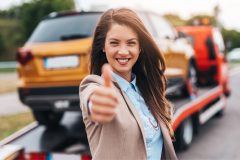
(122, 49)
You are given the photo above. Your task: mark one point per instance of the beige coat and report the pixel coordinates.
(122, 138)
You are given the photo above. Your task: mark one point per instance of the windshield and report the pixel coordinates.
(65, 28)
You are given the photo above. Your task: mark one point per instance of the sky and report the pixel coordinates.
(229, 9)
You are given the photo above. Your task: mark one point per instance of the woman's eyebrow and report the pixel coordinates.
(132, 39)
(113, 39)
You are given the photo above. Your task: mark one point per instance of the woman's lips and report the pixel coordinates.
(122, 61)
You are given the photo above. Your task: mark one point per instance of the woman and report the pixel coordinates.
(123, 103)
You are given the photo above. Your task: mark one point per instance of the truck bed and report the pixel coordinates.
(68, 137)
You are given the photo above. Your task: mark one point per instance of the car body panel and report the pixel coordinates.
(33, 74)
(36, 82)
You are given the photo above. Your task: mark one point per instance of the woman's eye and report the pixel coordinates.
(131, 43)
(113, 43)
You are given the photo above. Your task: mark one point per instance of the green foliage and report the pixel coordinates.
(231, 38)
(11, 38)
(2, 45)
(175, 20)
(32, 12)
(12, 123)
(18, 22)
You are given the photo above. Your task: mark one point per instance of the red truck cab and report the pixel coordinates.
(211, 64)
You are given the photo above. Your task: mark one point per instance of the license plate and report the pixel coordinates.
(61, 62)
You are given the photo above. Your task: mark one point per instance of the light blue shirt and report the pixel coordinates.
(153, 137)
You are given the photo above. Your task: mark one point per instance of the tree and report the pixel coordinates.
(32, 12)
(18, 22)
(231, 37)
(175, 20)
(2, 45)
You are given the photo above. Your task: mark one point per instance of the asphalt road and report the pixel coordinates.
(219, 138)
(10, 104)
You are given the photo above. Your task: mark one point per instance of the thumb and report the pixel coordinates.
(106, 72)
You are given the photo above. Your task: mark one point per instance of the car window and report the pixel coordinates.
(218, 40)
(65, 28)
(162, 27)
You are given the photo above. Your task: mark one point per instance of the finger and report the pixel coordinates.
(106, 71)
(101, 118)
(106, 92)
(103, 101)
(98, 109)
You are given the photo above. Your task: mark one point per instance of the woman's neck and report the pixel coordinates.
(126, 76)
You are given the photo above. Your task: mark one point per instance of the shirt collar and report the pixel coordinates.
(124, 84)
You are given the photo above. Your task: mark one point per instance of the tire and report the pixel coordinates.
(189, 89)
(184, 134)
(48, 118)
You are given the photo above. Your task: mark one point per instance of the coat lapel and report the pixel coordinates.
(167, 142)
(133, 110)
(169, 152)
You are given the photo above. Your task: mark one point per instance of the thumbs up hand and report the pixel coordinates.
(104, 99)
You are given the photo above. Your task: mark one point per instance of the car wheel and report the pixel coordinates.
(48, 118)
(184, 134)
(190, 87)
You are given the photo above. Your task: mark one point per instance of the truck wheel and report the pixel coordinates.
(190, 87)
(184, 135)
(47, 118)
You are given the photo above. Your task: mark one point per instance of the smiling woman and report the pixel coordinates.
(123, 103)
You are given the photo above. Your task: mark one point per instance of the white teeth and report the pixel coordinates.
(122, 60)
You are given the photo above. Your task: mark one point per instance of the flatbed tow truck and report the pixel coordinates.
(36, 142)
(68, 140)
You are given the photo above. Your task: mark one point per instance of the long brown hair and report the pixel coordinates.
(149, 67)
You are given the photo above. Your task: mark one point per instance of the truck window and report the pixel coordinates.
(219, 40)
(64, 28)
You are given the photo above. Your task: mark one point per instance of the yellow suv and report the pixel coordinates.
(55, 59)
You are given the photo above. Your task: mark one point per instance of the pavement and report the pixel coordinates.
(10, 104)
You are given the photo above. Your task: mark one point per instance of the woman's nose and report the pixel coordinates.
(123, 51)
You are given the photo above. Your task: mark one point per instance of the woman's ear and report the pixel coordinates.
(103, 50)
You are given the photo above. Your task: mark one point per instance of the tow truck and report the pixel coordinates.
(68, 140)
